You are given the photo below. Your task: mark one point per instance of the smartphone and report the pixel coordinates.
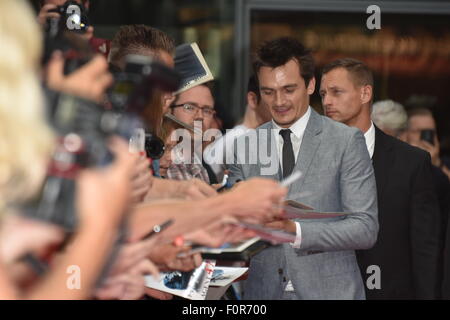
(427, 135)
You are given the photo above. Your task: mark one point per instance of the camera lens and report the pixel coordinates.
(154, 146)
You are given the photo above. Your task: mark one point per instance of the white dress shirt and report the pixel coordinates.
(369, 135)
(298, 130)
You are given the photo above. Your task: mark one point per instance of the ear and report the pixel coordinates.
(251, 100)
(366, 94)
(311, 86)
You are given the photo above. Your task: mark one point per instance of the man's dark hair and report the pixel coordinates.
(359, 71)
(209, 85)
(419, 112)
(132, 39)
(278, 52)
(253, 86)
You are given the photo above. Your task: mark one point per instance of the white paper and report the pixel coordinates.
(190, 285)
(223, 276)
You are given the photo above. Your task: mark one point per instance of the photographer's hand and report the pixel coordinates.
(20, 235)
(44, 14)
(89, 82)
(103, 194)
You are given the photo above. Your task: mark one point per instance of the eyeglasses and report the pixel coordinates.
(192, 109)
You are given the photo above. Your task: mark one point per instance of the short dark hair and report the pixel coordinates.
(419, 112)
(253, 86)
(208, 84)
(278, 52)
(131, 39)
(358, 70)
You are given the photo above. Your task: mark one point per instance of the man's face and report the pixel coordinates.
(342, 100)
(201, 104)
(418, 123)
(284, 93)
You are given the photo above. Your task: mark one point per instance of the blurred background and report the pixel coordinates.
(409, 55)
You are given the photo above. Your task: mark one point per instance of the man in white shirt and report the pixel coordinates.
(336, 175)
(405, 257)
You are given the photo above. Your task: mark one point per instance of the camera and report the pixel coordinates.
(73, 17)
(133, 88)
(82, 129)
(427, 135)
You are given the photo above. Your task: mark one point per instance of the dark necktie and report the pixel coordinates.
(288, 153)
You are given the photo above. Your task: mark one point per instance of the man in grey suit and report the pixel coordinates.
(337, 175)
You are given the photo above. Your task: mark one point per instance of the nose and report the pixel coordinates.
(326, 100)
(198, 114)
(279, 98)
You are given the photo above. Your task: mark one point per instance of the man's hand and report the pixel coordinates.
(89, 82)
(141, 181)
(103, 194)
(20, 235)
(44, 14)
(219, 232)
(131, 255)
(166, 258)
(129, 285)
(257, 200)
(193, 189)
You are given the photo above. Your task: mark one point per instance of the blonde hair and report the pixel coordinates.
(391, 115)
(25, 139)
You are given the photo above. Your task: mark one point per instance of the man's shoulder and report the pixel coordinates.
(336, 128)
(403, 149)
(266, 125)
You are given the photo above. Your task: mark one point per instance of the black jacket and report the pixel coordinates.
(408, 246)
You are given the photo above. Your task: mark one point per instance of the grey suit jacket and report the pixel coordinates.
(337, 175)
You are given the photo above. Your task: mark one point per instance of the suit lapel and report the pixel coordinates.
(383, 160)
(310, 143)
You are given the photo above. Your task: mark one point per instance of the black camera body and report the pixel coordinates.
(427, 135)
(83, 129)
(73, 17)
